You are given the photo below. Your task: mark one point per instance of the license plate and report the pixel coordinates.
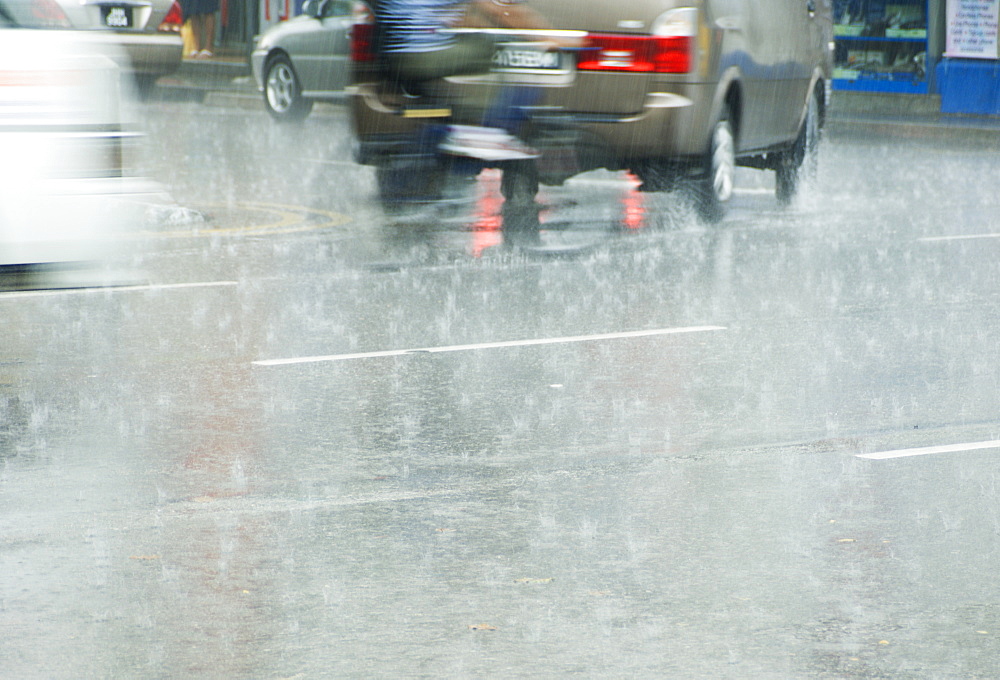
(526, 58)
(116, 16)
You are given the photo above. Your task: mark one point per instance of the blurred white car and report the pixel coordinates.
(66, 192)
(144, 35)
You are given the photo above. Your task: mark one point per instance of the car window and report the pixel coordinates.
(335, 8)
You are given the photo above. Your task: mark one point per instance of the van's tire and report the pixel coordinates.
(714, 186)
(801, 162)
(283, 92)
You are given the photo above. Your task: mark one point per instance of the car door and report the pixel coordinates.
(320, 50)
(776, 72)
(752, 44)
(809, 52)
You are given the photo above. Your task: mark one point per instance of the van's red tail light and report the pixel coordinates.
(636, 53)
(668, 48)
(362, 34)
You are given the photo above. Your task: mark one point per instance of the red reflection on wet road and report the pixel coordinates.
(486, 230)
(634, 204)
(487, 227)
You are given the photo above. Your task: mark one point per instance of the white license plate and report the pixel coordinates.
(526, 58)
(117, 17)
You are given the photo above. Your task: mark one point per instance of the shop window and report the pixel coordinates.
(881, 45)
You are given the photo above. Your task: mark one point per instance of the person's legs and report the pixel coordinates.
(208, 39)
(508, 108)
(196, 30)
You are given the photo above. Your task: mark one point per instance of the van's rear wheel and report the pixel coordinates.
(714, 188)
(801, 162)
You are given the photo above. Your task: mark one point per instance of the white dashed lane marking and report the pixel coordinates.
(930, 450)
(488, 345)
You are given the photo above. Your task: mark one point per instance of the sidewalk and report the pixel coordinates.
(227, 81)
(906, 115)
(224, 78)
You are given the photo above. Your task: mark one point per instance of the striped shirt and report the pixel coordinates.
(415, 25)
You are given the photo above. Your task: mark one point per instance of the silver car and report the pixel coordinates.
(304, 59)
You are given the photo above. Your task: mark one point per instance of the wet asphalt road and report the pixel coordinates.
(466, 466)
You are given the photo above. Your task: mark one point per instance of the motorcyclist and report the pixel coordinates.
(420, 48)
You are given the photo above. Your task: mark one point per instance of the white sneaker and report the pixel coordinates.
(485, 143)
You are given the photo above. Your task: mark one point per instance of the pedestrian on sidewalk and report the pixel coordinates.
(201, 13)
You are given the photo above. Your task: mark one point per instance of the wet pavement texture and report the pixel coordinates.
(466, 464)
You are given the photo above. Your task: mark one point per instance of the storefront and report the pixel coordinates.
(969, 73)
(884, 45)
(920, 47)
(240, 21)
(274, 11)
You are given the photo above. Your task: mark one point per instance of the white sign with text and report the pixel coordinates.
(972, 29)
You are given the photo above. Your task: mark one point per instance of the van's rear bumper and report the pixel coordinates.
(670, 125)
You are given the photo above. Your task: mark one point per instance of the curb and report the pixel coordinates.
(956, 136)
(196, 78)
(908, 116)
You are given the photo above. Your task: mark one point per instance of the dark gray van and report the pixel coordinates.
(671, 90)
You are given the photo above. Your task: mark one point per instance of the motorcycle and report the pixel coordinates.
(399, 127)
